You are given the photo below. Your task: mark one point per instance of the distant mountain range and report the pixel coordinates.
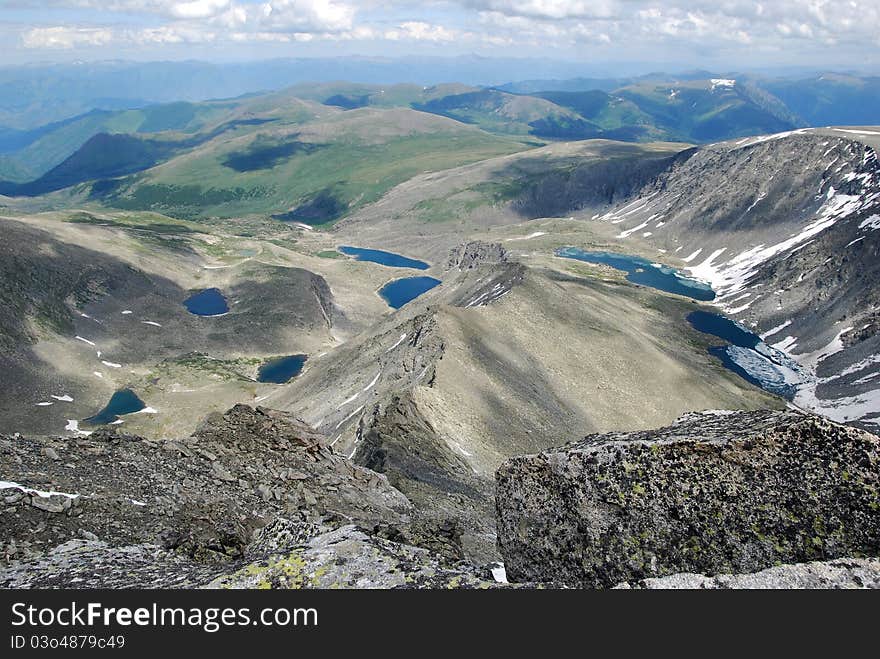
(696, 108)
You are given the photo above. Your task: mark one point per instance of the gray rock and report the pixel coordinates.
(285, 554)
(50, 504)
(348, 558)
(130, 493)
(469, 255)
(50, 453)
(843, 573)
(714, 493)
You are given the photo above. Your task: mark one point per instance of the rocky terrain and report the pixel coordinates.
(257, 499)
(253, 498)
(498, 361)
(419, 444)
(715, 493)
(847, 573)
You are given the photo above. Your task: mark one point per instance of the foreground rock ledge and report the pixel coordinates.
(844, 573)
(715, 493)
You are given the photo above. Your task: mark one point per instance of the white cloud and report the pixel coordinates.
(421, 31)
(728, 26)
(66, 38)
(549, 9)
(198, 8)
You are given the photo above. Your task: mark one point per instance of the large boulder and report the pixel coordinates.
(714, 493)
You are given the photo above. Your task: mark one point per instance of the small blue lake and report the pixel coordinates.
(209, 302)
(124, 401)
(383, 258)
(724, 328)
(643, 272)
(747, 355)
(743, 352)
(400, 291)
(281, 370)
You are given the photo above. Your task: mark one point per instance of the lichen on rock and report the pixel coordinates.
(714, 493)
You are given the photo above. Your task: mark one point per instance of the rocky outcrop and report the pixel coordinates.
(346, 557)
(480, 273)
(204, 496)
(255, 498)
(848, 573)
(469, 255)
(714, 493)
(285, 554)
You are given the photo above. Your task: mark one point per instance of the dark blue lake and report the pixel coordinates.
(284, 369)
(384, 258)
(724, 328)
(124, 401)
(643, 272)
(209, 302)
(747, 355)
(400, 291)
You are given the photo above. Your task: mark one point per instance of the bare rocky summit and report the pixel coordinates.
(734, 492)
(471, 254)
(255, 498)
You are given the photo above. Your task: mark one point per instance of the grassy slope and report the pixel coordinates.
(50, 149)
(354, 157)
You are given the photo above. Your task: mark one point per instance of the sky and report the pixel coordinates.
(719, 34)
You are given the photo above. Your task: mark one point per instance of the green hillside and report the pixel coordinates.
(313, 173)
(708, 110)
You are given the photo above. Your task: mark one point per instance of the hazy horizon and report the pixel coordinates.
(635, 36)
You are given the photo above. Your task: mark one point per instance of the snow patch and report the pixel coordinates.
(399, 341)
(722, 82)
(775, 330)
(872, 223)
(339, 425)
(373, 383)
(43, 494)
(537, 234)
(499, 573)
(73, 426)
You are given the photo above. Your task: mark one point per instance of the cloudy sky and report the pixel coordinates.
(689, 33)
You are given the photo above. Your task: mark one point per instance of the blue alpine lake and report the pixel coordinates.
(383, 258)
(645, 273)
(281, 370)
(724, 328)
(742, 352)
(124, 401)
(747, 355)
(400, 291)
(209, 302)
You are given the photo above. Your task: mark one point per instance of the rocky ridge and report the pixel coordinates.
(784, 227)
(257, 499)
